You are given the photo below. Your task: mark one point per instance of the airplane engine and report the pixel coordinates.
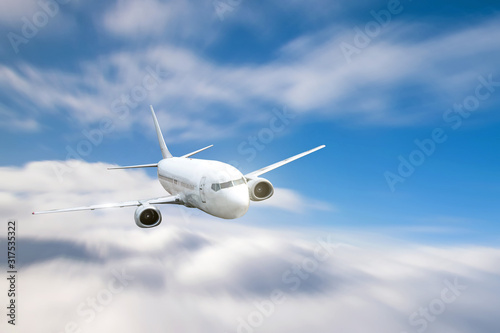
(147, 216)
(260, 189)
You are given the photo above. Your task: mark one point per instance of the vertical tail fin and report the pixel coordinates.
(161, 141)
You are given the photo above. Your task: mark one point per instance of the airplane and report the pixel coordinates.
(214, 187)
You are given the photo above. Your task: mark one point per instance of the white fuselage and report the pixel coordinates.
(214, 187)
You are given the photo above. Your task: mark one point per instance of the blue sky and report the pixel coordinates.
(225, 68)
(404, 199)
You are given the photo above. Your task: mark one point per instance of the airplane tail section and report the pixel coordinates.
(164, 150)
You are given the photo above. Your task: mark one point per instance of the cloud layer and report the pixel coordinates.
(98, 272)
(250, 280)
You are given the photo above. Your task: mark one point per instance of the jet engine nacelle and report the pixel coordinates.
(260, 189)
(147, 216)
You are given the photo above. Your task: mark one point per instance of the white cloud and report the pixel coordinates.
(293, 201)
(47, 20)
(196, 273)
(12, 120)
(138, 18)
(152, 18)
(13, 10)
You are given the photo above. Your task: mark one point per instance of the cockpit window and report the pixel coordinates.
(219, 186)
(226, 184)
(239, 181)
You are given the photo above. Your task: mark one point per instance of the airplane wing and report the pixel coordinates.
(173, 199)
(281, 163)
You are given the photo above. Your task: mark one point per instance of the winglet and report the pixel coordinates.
(164, 150)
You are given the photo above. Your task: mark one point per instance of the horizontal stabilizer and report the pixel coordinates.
(134, 166)
(197, 151)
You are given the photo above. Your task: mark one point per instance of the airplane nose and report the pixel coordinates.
(239, 201)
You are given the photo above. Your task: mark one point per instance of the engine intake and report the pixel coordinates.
(147, 216)
(260, 189)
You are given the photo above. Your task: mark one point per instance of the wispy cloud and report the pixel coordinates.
(13, 10)
(295, 202)
(311, 76)
(12, 120)
(153, 19)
